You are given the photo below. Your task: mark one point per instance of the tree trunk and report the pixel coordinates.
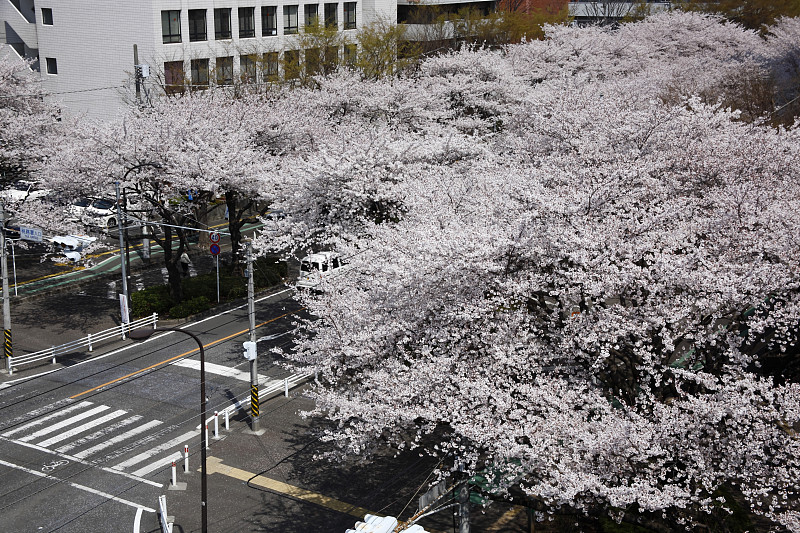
(234, 226)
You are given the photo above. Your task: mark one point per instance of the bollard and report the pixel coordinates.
(206, 435)
(89, 338)
(227, 420)
(185, 457)
(216, 425)
(286, 387)
(54, 355)
(174, 474)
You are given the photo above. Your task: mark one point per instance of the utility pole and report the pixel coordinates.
(125, 319)
(463, 508)
(6, 295)
(137, 75)
(251, 313)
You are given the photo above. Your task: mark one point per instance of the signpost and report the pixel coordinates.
(214, 249)
(30, 234)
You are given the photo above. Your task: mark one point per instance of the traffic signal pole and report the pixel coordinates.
(251, 313)
(6, 295)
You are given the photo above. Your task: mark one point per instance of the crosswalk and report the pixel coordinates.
(121, 441)
(106, 436)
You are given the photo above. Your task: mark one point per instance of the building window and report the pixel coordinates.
(171, 26)
(291, 64)
(312, 61)
(269, 21)
(199, 73)
(222, 23)
(331, 58)
(224, 70)
(270, 66)
(350, 15)
(331, 15)
(47, 16)
(310, 11)
(289, 19)
(350, 55)
(247, 68)
(173, 77)
(52, 65)
(197, 25)
(247, 22)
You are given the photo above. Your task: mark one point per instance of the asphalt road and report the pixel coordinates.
(88, 442)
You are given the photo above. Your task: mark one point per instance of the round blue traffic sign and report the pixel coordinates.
(214, 249)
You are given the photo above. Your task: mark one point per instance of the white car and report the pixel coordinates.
(76, 209)
(23, 190)
(316, 267)
(102, 213)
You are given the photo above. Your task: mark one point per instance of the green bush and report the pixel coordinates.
(200, 292)
(151, 300)
(190, 307)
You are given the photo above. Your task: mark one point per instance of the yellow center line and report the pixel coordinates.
(212, 343)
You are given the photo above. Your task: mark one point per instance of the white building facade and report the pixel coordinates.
(84, 49)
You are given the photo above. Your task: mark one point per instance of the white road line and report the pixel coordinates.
(36, 412)
(98, 434)
(161, 463)
(42, 420)
(77, 486)
(64, 423)
(80, 429)
(153, 338)
(214, 368)
(119, 438)
(80, 461)
(179, 441)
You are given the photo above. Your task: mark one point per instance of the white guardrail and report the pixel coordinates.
(89, 341)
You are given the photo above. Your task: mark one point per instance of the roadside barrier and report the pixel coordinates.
(88, 342)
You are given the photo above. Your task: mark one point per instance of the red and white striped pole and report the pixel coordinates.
(185, 457)
(174, 474)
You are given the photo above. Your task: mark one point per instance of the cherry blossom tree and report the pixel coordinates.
(203, 143)
(588, 280)
(25, 118)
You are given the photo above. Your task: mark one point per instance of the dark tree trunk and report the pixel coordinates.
(236, 220)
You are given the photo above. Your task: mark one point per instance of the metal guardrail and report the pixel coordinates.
(88, 342)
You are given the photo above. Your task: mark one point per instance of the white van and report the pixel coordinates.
(315, 267)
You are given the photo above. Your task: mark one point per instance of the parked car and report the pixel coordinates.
(316, 267)
(76, 209)
(102, 213)
(23, 190)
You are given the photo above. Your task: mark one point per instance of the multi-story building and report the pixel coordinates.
(84, 49)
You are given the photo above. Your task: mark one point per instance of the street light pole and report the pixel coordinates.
(145, 333)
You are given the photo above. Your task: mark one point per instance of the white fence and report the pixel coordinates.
(88, 342)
